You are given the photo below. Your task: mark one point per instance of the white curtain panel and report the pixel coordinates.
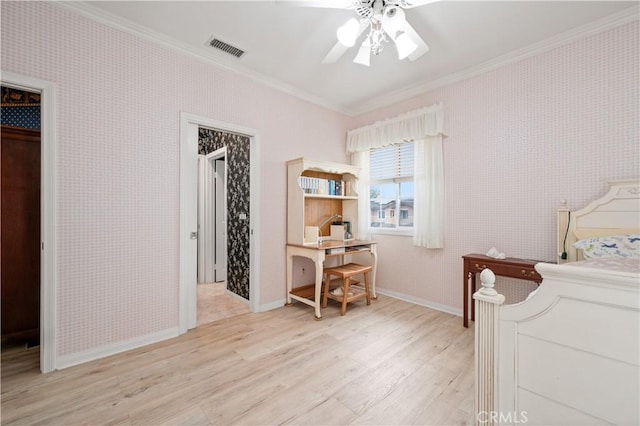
(428, 196)
(424, 126)
(361, 159)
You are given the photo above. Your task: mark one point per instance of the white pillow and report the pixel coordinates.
(610, 246)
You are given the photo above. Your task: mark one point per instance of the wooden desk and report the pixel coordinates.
(318, 253)
(510, 267)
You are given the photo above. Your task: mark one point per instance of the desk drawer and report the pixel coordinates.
(525, 272)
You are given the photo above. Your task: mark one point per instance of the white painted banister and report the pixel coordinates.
(487, 310)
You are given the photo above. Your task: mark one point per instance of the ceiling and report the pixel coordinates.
(285, 44)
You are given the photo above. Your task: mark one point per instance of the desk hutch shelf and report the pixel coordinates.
(320, 191)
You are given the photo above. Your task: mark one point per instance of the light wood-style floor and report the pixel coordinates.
(214, 304)
(389, 363)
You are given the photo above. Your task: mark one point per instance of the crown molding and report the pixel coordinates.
(620, 18)
(612, 21)
(92, 12)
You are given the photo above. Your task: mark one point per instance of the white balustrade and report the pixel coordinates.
(487, 308)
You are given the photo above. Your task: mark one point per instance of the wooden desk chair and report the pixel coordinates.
(345, 272)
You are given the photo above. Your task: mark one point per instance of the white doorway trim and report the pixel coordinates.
(189, 124)
(202, 178)
(47, 213)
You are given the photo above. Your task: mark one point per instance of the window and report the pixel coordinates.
(417, 200)
(391, 187)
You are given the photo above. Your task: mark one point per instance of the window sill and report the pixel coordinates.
(393, 232)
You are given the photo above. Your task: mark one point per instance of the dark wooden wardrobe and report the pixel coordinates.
(20, 235)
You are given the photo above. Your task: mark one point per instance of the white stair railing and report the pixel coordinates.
(487, 308)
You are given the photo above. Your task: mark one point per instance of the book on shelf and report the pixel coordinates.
(318, 186)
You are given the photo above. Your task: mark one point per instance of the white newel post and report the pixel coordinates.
(487, 308)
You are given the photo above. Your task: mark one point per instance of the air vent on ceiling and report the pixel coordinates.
(225, 47)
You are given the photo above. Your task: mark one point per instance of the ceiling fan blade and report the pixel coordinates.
(422, 46)
(332, 4)
(408, 4)
(338, 49)
(335, 53)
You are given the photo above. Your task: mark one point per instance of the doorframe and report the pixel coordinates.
(189, 124)
(201, 250)
(48, 284)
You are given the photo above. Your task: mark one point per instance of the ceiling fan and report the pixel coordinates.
(383, 19)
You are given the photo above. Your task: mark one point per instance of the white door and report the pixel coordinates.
(220, 268)
(212, 217)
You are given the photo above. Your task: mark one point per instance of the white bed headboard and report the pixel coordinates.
(618, 212)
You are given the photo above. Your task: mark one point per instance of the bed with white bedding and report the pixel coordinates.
(570, 353)
(616, 214)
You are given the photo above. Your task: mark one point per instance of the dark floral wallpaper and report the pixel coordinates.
(237, 203)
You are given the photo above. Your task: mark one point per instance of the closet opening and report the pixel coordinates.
(21, 226)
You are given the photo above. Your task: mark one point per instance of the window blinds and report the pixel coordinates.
(391, 162)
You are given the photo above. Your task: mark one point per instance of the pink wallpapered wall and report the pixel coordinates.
(520, 138)
(119, 99)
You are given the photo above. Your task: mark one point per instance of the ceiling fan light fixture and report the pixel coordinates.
(386, 21)
(405, 45)
(348, 32)
(393, 19)
(364, 55)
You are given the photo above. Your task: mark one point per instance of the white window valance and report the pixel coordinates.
(413, 125)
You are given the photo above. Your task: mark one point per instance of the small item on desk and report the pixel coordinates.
(496, 254)
(337, 232)
(347, 233)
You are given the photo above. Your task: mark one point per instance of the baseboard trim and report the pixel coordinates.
(273, 305)
(422, 302)
(236, 297)
(105, 351)
(400, 296)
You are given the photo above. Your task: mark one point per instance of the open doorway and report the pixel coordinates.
(20, 235)
(201, 135)
(20, 155)
(27, 222)
(214, 300)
